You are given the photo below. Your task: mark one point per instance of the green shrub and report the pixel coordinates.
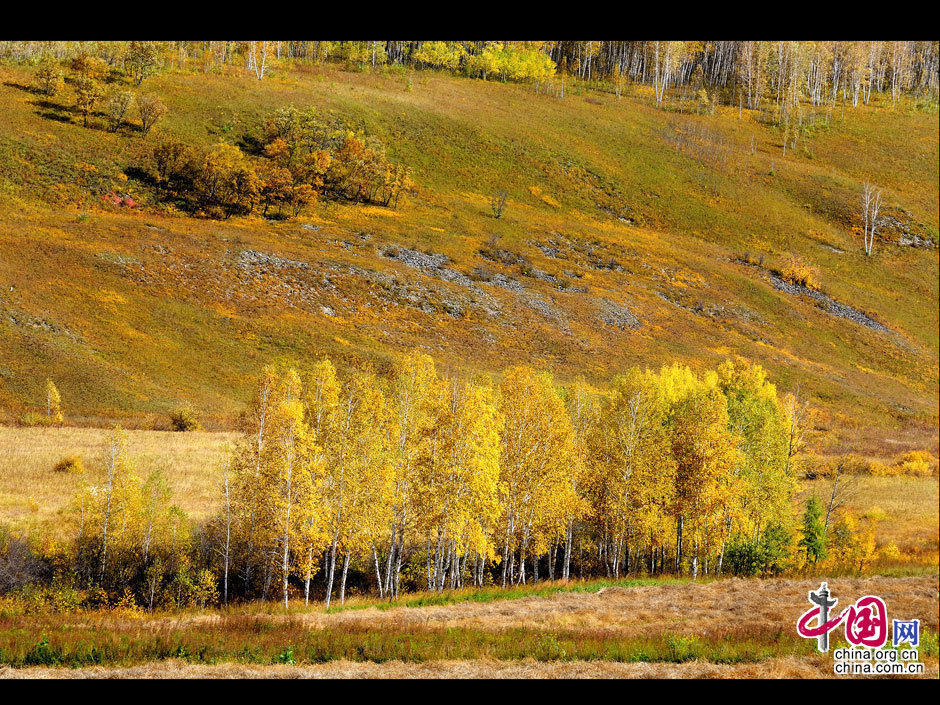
(766, 557)
(31, 419)
(286, 656)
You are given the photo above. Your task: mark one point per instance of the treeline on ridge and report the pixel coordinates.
(736, 71)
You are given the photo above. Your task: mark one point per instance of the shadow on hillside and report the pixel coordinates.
(23, 87)
(54, 111)
(250, 144)
(141, 175)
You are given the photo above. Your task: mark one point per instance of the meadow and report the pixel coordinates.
(722, 628)
(33, 496)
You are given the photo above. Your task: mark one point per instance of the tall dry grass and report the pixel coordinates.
(33, 494)
(722, 628)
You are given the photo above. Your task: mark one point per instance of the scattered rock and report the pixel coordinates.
(498, 279)
(252, 259)
(914, 240)
(617, 315)
(548, 250)
(506, 257)
(828, 303)
(903, 226)
(26, 320)
(430, 264)
(115, 258)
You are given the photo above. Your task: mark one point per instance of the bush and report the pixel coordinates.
(69, 464)
(33, 419)
(184, 419)
(796, 271)
(916, 462)
(20, 565)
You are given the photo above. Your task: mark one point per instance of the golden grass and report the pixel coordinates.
(32, 494)
(135, 312)
(716, 610)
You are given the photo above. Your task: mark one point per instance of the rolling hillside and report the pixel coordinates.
(632, 236)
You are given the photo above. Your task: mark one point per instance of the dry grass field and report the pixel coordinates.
(905, 510)
(33, 495)
(722, 629)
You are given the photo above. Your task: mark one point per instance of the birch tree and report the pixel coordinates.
(536, 450)
(411, 418)
(871, 204)
(459, 495)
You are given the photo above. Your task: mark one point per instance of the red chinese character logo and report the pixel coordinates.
(866, 622)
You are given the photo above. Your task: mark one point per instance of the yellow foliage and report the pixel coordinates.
(796, 271)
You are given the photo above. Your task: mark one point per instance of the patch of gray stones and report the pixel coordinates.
(828, 303)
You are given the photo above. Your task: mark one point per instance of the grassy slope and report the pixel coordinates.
(125, 326)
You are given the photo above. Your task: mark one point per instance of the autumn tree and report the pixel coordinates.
(583, 411)
(633, 473)
(286, 475)
(49, 76)
(53, 403)
(86, 65)
(458, 497)
(411, 418)
(358, 477)
(705, 455)
(536, 448)
(141, 60)
(88, 94)
(762, 476)
(151, 110)
(106, 508)
(116, 107)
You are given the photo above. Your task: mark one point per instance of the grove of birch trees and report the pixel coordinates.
(446, 482)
